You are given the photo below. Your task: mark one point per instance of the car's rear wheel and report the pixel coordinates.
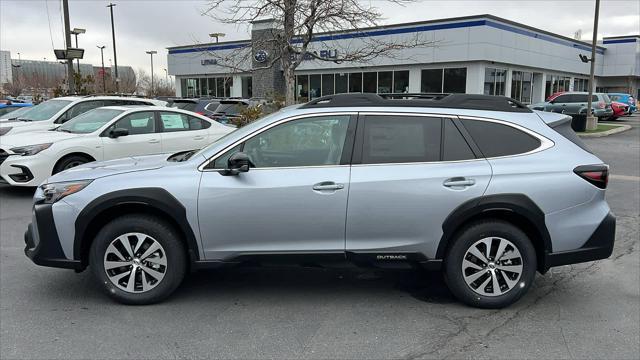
(491, 264)
(69, 162)
(138, 259)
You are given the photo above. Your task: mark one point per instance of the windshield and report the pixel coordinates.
(45, 110)
(16, 113)
(90, 121)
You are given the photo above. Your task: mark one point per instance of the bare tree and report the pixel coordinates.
(299, 21)
(13, 88)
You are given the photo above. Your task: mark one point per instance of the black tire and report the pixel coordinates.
(465, 239)
(70, 161)
(158, 230)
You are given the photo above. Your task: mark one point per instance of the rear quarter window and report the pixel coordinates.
(495, 139)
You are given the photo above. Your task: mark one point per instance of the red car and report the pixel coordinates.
(619, 109)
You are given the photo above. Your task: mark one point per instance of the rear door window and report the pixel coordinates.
(495, 139)
(401, 139)
(562, 99)
(181, 122)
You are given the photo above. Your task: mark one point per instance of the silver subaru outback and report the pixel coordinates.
(480, 187)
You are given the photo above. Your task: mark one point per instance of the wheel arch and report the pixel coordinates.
(517, 209)
(82, 153)
(154, 201)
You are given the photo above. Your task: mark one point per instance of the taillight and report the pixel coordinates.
(601, 105)
(597, 175)
(199, 112)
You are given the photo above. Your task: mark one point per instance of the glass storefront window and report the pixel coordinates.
(494, 81)
(342, 80)
(302, 88)
(455, 80)
(220, 87)
(327, 84)
(203, 87)
(431, 81)
(183, 88)
(521, 85)
(385, 80)
(228, 82)
(315, 83)
(400, 81)
(369, 82)
(211, 85)
(355, 82)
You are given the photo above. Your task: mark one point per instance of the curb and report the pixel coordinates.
(619, 129)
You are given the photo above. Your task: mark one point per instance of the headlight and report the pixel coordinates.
(56, 191)
(31, 149)
(5, 130)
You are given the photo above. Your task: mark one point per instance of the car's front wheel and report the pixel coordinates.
(69, 162)
(138, 259)
(491, 264)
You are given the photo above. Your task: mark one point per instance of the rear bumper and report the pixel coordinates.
(42, 244)
(599, 246)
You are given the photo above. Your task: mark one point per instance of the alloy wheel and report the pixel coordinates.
(492, 266)
(135, 262)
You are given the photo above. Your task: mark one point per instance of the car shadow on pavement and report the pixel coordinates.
(299, 282)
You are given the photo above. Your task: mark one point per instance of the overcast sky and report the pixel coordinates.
(34, 27)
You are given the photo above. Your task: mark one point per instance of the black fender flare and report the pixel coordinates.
(517, 204)
(157, 199)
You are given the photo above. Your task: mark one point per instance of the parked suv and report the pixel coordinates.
(575, 103)
(51, 113)
(481, 187)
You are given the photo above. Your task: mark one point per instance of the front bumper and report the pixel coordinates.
(599, 246)
(31, 171)
(42, 244)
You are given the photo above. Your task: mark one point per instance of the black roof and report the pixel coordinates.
(453, 101)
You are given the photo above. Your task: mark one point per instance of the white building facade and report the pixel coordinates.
(476, 55)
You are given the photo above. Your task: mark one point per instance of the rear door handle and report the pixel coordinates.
(327, 185)
(453, 182)
(153, 141)
(199, 137)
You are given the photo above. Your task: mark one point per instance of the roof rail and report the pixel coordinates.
(452, 101)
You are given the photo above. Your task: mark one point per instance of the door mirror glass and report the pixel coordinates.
(237, 163)
(117, 132)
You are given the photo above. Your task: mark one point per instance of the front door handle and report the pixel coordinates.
(458, 181)
(199, 137)
(153, 141)
(327, 185)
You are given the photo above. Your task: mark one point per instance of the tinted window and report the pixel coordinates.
(184, 105)
(562, 99)
(455, 147)
(431, 81)
(401, 139)
(307, 142)
(495, 139)
(137, 123)
(81, 108)
(455, 80)
(582, 98)
(231, 108)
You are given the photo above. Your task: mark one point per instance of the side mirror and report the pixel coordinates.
(237, 163)
(117, 132)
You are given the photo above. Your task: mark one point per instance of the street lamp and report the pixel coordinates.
(104, 84)
(151, 52)
(113, 36)
(166, 76)
(217, 35)
(77, 32)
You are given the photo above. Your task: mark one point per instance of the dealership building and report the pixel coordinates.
(477, 55)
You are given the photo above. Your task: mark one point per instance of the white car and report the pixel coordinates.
(103, 134)
(51, 113)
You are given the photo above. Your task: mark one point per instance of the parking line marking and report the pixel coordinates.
(625, 177)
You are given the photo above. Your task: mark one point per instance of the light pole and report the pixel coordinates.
(592, 122)
(166, 76)
(217, 35)
(77, 32)
(104, 84)
(151, 52)
(113, 35)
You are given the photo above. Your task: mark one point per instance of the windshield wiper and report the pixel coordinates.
(63, 130)
(23, 119)
(182, 156)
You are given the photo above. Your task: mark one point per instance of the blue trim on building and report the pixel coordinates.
(619, 41)
(210, 48)
(413, 29)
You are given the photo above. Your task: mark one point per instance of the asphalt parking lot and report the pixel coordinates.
(587, 310)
